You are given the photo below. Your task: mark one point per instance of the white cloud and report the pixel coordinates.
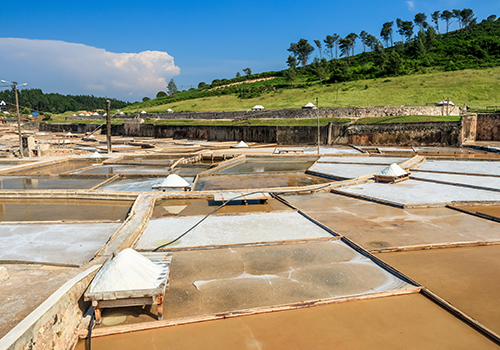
(68, 68)
(411, 5)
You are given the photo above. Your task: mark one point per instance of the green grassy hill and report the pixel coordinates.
(476, 88)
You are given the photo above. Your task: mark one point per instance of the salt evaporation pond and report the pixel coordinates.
(54, 209)
(137, 185)
(21, 183)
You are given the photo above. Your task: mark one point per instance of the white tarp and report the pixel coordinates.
(445, 102)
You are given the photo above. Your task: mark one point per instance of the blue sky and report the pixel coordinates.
(130, 49)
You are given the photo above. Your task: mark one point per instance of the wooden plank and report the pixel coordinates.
(104, 304)
(434, 246)
(253, 244)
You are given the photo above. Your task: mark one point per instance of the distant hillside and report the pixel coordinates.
(476, 88)
(36, 100)
(376, 73)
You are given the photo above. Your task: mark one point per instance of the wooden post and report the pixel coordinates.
(317, 114)
(21, 150)
(108, 123)
(160, 307)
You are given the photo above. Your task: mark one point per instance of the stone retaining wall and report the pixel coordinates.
(405, 134)
(417, 134)
(488, 127)
(351, 112)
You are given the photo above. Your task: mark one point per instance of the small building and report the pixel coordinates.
(309, 106)
(445, 102)
(258, 107)
(3, 105)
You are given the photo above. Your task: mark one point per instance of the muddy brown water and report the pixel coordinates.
(215, 183)
(186, 207)
(376, 226)
(493, 210)
(265, 166)
(401, 322)
(57, 169)
(22, 183)
(468, 278)
(53, 209)
(128, 169)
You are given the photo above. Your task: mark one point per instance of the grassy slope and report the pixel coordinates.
(477, 88)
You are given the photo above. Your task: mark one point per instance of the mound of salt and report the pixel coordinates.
(95, 155)
(174, 181)
(129, 270)
(241, 144)
(393, 170)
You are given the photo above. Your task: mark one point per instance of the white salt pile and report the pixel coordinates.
(69, 134)
(129, 270)
(393, 170)
(95, 155)
(174, 181)
(241, 144)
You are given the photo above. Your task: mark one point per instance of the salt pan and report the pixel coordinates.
(129, 270)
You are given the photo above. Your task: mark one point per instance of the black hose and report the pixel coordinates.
(220, 206)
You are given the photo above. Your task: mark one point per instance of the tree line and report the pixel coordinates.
(302, 49)
(37, 101)
(422, 46)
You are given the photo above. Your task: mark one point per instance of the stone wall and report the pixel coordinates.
(351, 112)
(405, 134)
(436, 133)
(469, 128)
(67, 127)
(53, 325)
(488, 127)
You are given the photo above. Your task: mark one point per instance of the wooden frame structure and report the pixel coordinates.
(138, 297)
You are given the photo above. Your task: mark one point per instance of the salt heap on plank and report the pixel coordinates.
(241, 144)
(129, 270)
(96, 155)
(393, 170)
(174, 181)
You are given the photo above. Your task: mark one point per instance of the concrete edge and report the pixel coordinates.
(34, 320)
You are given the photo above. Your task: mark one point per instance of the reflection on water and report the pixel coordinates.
(53, 209)
(58, 168)
(250, 182)
(17, 183)
(262, 166)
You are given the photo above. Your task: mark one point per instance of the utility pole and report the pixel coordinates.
(317, 115)
(108, 124)
(337, 92)
(14, 85)
(21, 150)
